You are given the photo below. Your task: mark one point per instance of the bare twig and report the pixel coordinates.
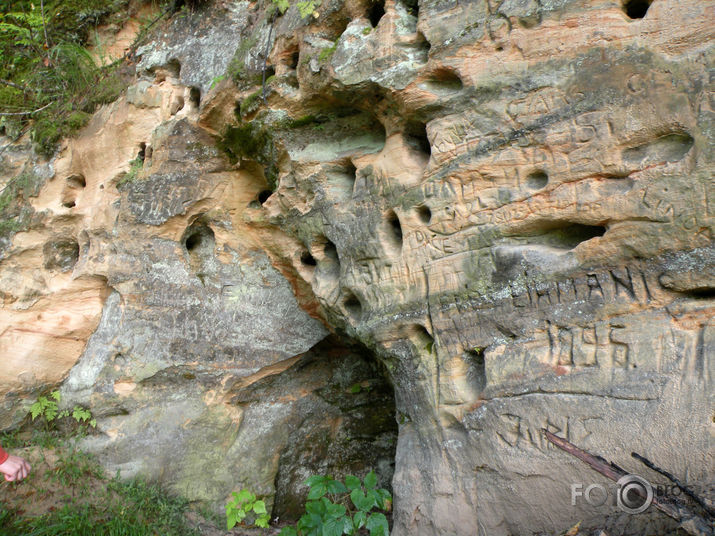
(690, 522)
(645, 461)
(44, 26)
(13, 84)
(27, 113)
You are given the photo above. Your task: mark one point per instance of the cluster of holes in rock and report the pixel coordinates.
(636, 9)
(73, 184)
(376, 12)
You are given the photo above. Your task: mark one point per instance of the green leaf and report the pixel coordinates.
(360, 501)
(315, 507)
(355, 388)
(36, 410)
(384, 497)
(317, 491)
(352, 482)
(231, 520)
(262, 521)
(316, 479)
(309, 522)
(244, 496)
(335, 487)
(359, 519)
(377, 525)
(373, 497)
(334, 510)
(259, 507)
(50, 414)
(371, 480)
(288, 531)
(333, 527)
(56, 395)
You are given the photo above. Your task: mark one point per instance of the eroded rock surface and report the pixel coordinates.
(510, 203)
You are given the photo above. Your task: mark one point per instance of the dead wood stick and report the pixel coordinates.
(690, 522)
(645, 461)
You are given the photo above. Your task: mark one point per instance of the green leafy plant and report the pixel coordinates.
(243, 503)
(335, 508)
(306, 8)
(48, 409)
(49, 82)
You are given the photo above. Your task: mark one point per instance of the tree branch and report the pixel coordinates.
(13, 84)
(27, 113)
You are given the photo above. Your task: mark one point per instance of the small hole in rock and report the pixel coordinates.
(537, 179)
(294, 58)
(264, 195)
(420, 337)
(307, 259)
(444, 78)
(636, 9)
(200, 242)
(425, 214)
(417, 137)
(376, 12)
(476, 368)
(193, 242)
(353, 306)
(142, 151)
(174, 68)
(76, 181)
(330, 251)
(394, 230)
(328, 262)
(570, 235)
(413, 7)
(69, 204)
(195, 97)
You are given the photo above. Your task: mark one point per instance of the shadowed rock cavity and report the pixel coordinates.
(341, 422)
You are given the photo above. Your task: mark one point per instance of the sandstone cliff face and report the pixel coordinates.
(509, 203)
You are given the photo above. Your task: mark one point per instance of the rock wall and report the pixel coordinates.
(508, 203)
